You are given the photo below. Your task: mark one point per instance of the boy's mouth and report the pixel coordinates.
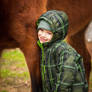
(42, 39)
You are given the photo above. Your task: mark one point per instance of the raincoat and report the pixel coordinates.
(62, 68)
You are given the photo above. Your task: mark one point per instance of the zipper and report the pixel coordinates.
(42, 67)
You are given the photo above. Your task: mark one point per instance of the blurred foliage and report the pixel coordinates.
(14, 54)
(13, 64)
(4, 91)
(90, 82)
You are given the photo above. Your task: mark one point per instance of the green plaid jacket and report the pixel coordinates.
(62, 69)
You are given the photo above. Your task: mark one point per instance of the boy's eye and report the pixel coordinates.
(49, 33)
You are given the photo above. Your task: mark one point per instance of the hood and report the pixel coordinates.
(57, 23)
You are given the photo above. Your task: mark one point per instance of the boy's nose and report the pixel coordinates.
(44, 34)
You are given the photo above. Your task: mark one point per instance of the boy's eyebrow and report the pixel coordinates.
(48, 32)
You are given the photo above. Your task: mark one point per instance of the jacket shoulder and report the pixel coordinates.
(64, 49)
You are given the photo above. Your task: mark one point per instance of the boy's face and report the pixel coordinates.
(44, 35)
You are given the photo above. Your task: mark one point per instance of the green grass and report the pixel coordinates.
(13, 64)
(13, 55)
(4, 91)
(5, 73)
(90, 77)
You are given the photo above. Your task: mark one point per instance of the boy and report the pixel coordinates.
(62, 67)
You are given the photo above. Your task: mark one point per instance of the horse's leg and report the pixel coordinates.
(78, 42)
(30, 49)
(0, 63)
(32, 55)
(23, 17)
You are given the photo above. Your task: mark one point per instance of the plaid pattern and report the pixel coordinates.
(62, 69)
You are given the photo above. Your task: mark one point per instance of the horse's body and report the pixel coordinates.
(18, 29)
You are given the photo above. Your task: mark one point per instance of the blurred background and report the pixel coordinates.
(14, 74)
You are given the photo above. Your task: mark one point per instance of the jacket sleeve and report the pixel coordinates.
(67, 71)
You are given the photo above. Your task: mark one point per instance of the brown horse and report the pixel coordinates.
(18, 29)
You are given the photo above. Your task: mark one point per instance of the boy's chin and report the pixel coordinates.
(43, 41)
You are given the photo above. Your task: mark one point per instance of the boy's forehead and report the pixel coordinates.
(45, 30)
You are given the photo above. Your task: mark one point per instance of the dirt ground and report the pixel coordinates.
(14, 75)
(90, 90)
(14, 85)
